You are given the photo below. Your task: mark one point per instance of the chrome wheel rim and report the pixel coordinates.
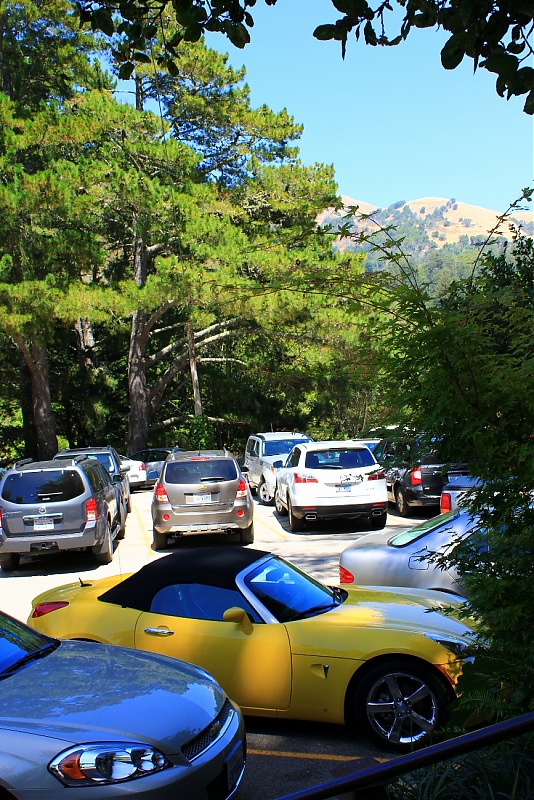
(402, 708)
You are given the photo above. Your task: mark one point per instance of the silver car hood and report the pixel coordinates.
(149, 698)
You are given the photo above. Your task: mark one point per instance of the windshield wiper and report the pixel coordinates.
(35, 655)
(311, 612)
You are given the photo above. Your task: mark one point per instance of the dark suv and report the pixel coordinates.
(117, 471)
(415, 471)
(48, 506)
(201, 491)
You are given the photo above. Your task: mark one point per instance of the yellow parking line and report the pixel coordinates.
(146, 538)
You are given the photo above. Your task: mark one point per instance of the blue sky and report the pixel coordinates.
(394, 123)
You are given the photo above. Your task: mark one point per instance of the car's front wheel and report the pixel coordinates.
(399, 704)
(263, 494)
(279, 506)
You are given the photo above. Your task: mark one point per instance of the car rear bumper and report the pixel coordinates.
(52, 541)
(338, 511)
(214, 521)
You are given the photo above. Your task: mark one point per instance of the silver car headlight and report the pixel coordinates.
(106, 762)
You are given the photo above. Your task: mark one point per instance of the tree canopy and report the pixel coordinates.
(495, 34)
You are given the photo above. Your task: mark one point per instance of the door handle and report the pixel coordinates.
(159, 631)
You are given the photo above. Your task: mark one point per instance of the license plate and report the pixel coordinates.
(343, 488)
(199, 499)
(234, 766)
(43, 525)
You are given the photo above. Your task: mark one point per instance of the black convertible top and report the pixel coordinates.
(214, 566)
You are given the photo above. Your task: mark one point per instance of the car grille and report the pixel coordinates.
(209, 735)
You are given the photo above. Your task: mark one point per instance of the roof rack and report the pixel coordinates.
(23, 462)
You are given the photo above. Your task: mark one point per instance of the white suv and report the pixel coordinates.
(331, 480)
(262, 453)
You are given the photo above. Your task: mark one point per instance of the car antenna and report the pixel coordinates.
(84, 584)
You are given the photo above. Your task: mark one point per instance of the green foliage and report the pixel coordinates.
(198, 434)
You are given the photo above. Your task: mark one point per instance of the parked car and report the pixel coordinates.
(136, 472)
(415, 471)
(154, 459)
(201, 491)
(100, 722)
(453, 491)
(111, 460)
(370, 443)
(331, 480)
(48, 506)
(278, 641)
(262, 452)
(408, 558)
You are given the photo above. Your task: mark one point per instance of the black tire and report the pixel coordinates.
(104, 553)
(400, 502)
(279, 506)
(122, 529)
(399, 704)
(262, 493)
(295, 524)
(159, 540)
(377, 523)
(129, 504)
(10, 562)
(247, 535)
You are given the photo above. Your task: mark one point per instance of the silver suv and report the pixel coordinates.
(48, 506)
(264, 453)
(201, 491)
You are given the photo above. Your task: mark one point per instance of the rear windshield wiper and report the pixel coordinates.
(35, 655)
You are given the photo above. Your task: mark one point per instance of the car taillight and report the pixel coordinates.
(160, 494)
(377, 476)
(241, 488)
(298, 478)
(345, 576)
(91, 511)
(415, 476)
(45, 608)
(142, 468)
(445, 503)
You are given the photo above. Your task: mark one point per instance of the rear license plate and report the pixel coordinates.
(234, 766)
(199, 499)
(343, 488)
(43, 525)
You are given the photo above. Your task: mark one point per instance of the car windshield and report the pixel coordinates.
(340, 458)
(51, 485)
(281, 447)
(200, 470)
(288, 593)
(19, 644)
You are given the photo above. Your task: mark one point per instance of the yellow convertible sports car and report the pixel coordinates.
(279, 642)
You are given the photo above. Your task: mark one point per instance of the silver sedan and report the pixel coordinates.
(408, 558)
(111, 722)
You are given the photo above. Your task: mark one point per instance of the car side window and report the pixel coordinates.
(294, 457)
(93, 476)
(253, 447)
(198, 601)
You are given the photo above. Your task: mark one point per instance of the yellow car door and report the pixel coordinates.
(216, 629)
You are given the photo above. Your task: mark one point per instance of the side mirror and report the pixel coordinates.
(240, 617)
(244, 468)
(278, 464)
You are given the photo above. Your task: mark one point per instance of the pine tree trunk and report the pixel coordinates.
(36, 358)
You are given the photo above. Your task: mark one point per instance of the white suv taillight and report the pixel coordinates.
(302, 478)
(377, 476)
(160, 494)
(241, 488)
(91, 511)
